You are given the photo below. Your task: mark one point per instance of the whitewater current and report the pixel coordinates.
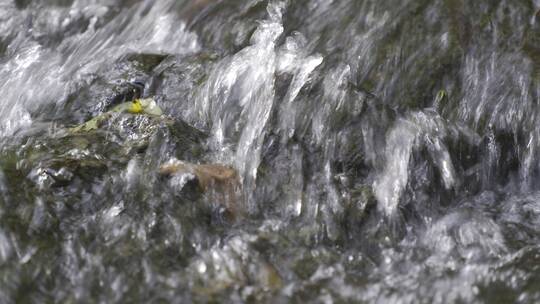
(318, 151)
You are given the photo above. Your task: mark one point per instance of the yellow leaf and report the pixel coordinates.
(135, 107)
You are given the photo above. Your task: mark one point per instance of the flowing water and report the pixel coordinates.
(383, 151)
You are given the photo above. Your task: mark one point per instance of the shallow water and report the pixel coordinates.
(384, 152)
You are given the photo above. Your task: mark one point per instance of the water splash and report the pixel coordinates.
(57, 73)
(239, 96)
(339, 115)
(418, 130)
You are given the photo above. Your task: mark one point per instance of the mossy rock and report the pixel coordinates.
(104, 145)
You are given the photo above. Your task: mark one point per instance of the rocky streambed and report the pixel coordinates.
(269, 151)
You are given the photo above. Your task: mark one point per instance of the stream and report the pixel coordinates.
(269, 151)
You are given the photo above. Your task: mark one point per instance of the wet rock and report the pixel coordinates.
(467, 235)
(195, 8)
(178, 80)
(102, 146)
(143, 61)
(241, 22)
(102, 91)
(133, 124)
(234, 265)
(58, 162)
(146, 106)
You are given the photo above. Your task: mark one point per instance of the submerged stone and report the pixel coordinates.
(206, 174)
(221, 182)
(235, 264)
(103, 145)
(138, 106)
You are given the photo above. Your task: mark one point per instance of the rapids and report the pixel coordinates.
(319, 151)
